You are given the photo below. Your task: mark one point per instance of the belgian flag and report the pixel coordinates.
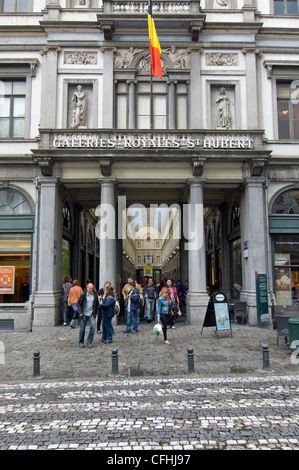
(154, 45)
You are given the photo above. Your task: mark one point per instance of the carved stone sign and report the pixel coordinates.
(119, 141)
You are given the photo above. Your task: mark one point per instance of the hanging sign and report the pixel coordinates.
(7, 279)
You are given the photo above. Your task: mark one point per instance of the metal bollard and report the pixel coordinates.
(190, 361)
(36, 364)
(266, 361)
(114, 362)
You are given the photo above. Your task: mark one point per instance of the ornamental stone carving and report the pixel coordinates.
(172, 58)
(221, 59)
(79, 112)
(80, 58)
(123, 57)
(224, 116)
(180, 58)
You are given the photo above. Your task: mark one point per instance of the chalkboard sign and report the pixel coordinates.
(217, 313)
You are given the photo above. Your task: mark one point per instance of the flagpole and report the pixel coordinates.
(151, 85)
(151, 101)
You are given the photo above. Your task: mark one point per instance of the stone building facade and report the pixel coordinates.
(83, 127)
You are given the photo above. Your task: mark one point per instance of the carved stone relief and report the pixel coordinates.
(127, 58)
(222, 59)
(180, 58)
(123, 57)
(80, 58)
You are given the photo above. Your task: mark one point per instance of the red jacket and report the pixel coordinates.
(174, 293)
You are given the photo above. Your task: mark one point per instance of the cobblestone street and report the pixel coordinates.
(152, 414)
(229, 402)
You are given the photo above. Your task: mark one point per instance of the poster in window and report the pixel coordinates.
(7, 279)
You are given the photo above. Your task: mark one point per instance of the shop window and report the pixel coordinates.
(284, 223)
(286, 7)
(288, 111)
(12, 109)
(15, 255)
(286, 266)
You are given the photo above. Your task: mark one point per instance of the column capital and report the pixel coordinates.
(196, 181)
(107, 181)
(254, 181)
(47, 180)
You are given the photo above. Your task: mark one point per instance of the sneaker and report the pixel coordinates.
(166, 342)
(88, 345)
(81, 345)
(127, 331)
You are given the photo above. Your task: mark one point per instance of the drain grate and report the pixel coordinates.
(7, 324)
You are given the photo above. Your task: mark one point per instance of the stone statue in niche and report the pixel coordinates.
(80, 105)
(83, 3)
(224, 116)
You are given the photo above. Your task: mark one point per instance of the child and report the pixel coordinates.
(162, 312)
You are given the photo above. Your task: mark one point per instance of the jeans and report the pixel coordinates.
(107, 329)
(132, 317)
(149, 308)
(92, 326)
(65, 309)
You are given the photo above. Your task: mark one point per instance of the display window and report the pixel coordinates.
(15, 262)
(286, 266)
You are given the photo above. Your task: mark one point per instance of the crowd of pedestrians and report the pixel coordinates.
(140, 301)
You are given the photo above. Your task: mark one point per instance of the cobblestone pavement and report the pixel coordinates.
(182, 414)
(229, 402)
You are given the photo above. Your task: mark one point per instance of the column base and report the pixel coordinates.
(250, 298)
(47, 309)
(197, 303)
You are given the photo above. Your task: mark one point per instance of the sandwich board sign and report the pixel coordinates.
(217, 313)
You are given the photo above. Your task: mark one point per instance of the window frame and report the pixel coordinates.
(18, 69)
(15, 11)
(290, 110)
(285, 5)
(171, 102)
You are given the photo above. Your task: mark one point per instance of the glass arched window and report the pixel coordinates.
(287, 203)
(13, 202)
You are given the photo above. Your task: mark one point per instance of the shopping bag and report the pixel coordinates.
(158, 329)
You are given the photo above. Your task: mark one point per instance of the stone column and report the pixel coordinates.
(254, 232)
(197, 298)
(132, 107)
(251, 88)
(107, 232)
(195, 89)
(107, 86)
(49, 87)
(47, 298)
